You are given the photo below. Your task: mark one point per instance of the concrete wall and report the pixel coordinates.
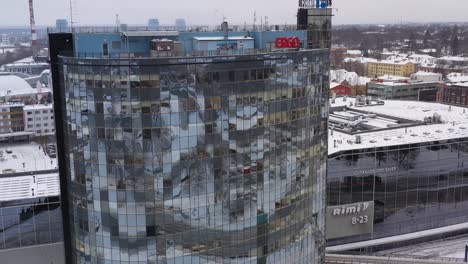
(43, 254)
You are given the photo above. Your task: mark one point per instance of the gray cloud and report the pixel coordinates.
(89, 12)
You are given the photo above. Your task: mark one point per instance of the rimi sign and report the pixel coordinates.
(287, 43)
(350, 219)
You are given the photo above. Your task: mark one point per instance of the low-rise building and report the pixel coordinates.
(353, 53)
(456, 77)
(454, 93)
(39, 119)
(339, 89)
(389, 67)
(403, 89)
(11, 118)
(427, 76)
(356, 83)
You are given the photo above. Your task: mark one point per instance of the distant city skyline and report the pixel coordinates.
(211, 12)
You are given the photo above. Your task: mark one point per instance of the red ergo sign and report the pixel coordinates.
(287, 42)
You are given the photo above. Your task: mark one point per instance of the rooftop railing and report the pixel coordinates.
(193, 54)
(194, 28)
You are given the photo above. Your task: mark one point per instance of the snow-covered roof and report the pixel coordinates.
(24, 158)
(421, 56)
(360, 59)
(26, 61)
(352, 78)
(425, 73)
(38, 107)
(334, 84)
(454, 125)
(394, 61)
(455, 77)
(428, 50)
(354, 52)
(454, 58)
(393, 78)
(14, 85)
(222, 38)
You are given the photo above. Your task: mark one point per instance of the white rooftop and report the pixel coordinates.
(24, 158)
(26, 61)
(364, 60)
(334, 84)
(392, 78)
(425, 73)
(454, 58)
(454, 125)
(221, 38)
(14, 85)
(396, 61)
(352, 78)
(457, 77)
(354, 52)
(38, 107)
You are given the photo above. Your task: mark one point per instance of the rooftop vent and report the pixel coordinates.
(225, 29)
(358, 139)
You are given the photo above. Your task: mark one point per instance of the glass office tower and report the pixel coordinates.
(191, 147)
(198, 160)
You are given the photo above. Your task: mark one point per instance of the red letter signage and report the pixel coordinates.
(287, 43)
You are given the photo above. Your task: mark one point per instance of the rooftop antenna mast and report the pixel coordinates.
(255, 21)
(33, 28)
(72, 21)
(117, 20)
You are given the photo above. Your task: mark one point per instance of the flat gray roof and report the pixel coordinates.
(454, 125)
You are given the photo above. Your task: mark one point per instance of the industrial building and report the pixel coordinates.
(402, 88)
(406, 161)
(194, 147)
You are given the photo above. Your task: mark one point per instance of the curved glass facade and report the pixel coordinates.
(197, 160)
(415, 187)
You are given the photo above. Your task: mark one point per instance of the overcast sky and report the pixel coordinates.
(89, 12)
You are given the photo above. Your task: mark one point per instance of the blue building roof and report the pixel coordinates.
(139, 42)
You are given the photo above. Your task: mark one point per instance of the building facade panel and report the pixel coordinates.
(376, 69)
(454, 94)
(414, 187)
(196, 160)
(30, 222)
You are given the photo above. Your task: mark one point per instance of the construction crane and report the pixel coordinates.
(33, 28)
